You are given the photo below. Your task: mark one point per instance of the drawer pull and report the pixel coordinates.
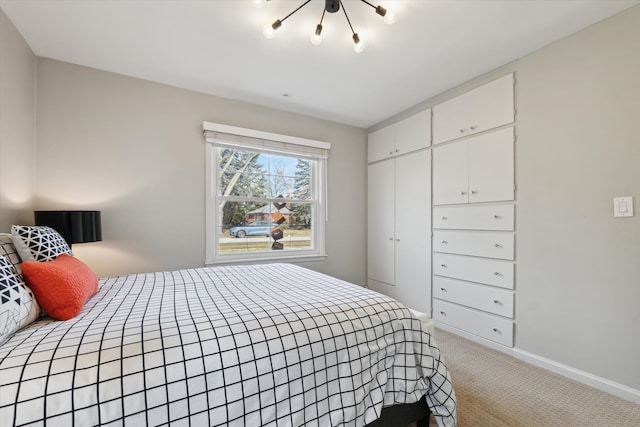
(390, 238)
(474, 191)
(443, 313)
(443, 265)
(462, 193)
(397, 240)
(497, 245)
(443, 218)
(497, 217)
(495, 301)
(496, 330)
(498, 274)
(462, 130)
(443, 289)
(444, 242)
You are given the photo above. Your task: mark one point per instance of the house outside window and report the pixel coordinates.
(265, 196)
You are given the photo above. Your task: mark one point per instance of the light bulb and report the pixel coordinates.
(258, 4)
(358, 45)
(390, 17)
(316, 37)
(270, 29)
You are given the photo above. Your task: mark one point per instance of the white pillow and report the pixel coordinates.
(9, 250)
(38, 242)
(18, 306)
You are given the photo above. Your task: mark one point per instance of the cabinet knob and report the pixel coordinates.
(443, 218)
(443, 313)
(397, 151)
(474, 191)
(397, 240)
(391, 238)
(390, 152)
(461, 130)
(497, 245)
(444, 242)
(462, 193)
(474, 127)
(495, 330)
(497, 273)
(495, 301)
(443, 265)
(497, 217)
(443, 289)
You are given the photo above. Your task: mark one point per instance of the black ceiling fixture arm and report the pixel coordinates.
(278, 22)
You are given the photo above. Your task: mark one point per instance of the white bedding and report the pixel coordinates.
(251, 345)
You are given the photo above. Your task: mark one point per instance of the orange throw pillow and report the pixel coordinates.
(61, 286)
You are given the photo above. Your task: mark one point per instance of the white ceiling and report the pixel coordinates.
(217, 46)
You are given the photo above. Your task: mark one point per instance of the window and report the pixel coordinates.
(265, 195)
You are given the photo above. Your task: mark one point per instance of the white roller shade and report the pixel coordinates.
(233, 137)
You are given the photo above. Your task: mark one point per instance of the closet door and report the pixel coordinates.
(381, 222)
(450, 174)
(413, 231)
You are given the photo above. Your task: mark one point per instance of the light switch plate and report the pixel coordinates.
(622, 206)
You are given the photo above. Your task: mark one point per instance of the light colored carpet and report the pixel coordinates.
(497, 390)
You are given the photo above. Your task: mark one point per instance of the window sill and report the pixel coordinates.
(264, 260)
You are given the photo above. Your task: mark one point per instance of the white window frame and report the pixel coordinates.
(269, 143)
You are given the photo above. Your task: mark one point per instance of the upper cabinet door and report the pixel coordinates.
(481, 109)
(413, 133)
(491, 166)
(405, 136)
(382, 143)
(450, 174)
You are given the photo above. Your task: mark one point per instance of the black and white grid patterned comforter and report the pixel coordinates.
(261, 345)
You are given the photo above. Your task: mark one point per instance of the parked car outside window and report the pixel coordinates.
(256, 228)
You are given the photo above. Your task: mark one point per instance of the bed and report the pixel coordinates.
(248, 345)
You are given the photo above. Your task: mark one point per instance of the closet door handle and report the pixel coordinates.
(474, 127)
(462, 193)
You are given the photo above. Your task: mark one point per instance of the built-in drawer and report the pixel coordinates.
(480, 270)
(487, 298)
(488, 326)
(485, 244)
(494, 217)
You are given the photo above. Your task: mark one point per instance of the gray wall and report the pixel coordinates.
(17, 130)
(134, 149)
(578, 147)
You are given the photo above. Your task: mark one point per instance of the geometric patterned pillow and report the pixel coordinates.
(9, 250)
(18, 306)
(38, 242)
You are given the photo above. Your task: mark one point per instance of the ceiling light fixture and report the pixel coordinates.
(331, 6)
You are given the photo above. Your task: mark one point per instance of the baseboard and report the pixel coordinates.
(603, 384)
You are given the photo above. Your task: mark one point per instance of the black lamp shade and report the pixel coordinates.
(74, 226)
